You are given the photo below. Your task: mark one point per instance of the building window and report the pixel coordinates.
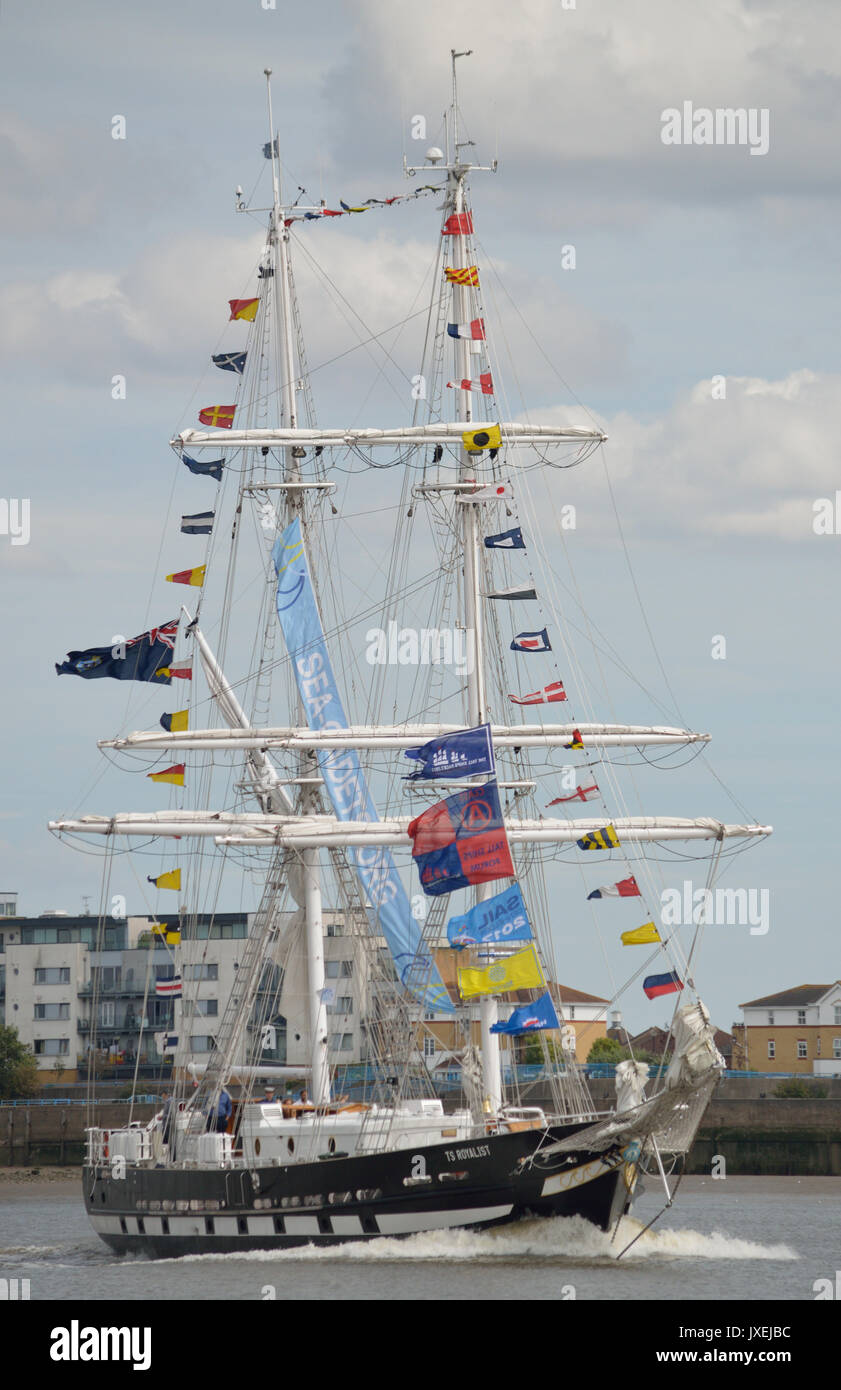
(801, 1016)
(341, 1042)
(818, 1045)
(430, 1047)
(201, 1043)
(52, 1011)
(204, 1008)
(771, 1020)
(802, 1049)
(51, 1047)
(772, 1048)
(836, 1047)
(52, 975)
(338, 969)
(201, 972)
(343, 1005)
(837, 1012)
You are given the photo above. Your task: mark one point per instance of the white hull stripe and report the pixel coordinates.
(404, 1223)
(576, 1177)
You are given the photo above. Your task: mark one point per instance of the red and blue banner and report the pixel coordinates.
(461, 841)
(655, 985)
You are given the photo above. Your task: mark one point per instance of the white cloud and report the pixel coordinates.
(750, 465)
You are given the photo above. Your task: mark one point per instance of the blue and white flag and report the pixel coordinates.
(344, 778)
(507, 540)
(532, 642)
(498, 919)
(530, 1018)
(211, 469)
(200, 524)
(230, 361)
(467, 753)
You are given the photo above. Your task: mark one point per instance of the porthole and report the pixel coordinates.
(257, 1147)
(332, 1146)
(290, 1146)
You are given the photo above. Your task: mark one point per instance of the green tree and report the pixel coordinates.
(606, 1050)
(18, 1068)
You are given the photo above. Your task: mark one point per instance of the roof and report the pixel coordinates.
(800, 994)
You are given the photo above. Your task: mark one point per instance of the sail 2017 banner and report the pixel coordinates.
(343, 776)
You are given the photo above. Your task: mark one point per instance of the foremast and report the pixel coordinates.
(293, 505)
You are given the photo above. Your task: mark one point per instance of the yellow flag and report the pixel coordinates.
(645, 935)
(606, 838)
(172, 879)
(171, 774)
(179, 720)
(520, 971)
(195, 577)
(477, 440)
(173, 938)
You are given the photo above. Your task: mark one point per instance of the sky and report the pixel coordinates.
(693, 264)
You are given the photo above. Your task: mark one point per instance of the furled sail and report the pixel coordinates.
(342, 771)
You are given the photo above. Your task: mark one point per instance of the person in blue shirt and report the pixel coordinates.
(218, 1118)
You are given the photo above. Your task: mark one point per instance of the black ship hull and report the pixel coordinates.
(475, 1184)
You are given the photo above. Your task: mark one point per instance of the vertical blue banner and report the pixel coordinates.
(342, 771)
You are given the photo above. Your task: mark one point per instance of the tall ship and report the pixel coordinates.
(438, 767)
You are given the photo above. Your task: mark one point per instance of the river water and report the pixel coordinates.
(736, 1239)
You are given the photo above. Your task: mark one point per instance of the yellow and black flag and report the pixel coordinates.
(606, 838)
(172, 879)
(475, 441)
(177, 722)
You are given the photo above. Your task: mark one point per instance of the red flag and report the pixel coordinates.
(580, 794)
(549, 695)
(244, 309)
(577, 741)
(222, 416)
(459, 224)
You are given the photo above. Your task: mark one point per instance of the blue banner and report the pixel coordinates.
(342, 771)
(500, 918)
(467, 753)
(530, 1018)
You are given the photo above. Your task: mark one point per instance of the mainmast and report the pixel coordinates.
(477, 713)
(279, 241)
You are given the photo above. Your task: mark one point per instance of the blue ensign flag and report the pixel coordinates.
(464, 754)
(343, 776)
(530, 1018)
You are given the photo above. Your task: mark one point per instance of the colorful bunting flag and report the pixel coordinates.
(458, 224)
(532, 642)
(461, 841)
(506, 540)
(469, 275)
(551, 694)
(200, 524)
(519, 971)
(484, 384)
(498, 919)
(474, 330)
(606, 838)
(655, 985)
(580, 794)
(519, 592)
(576, 740)
(625, 888)
(530, 1018)
(211, 469)
(244, 309)
(221, 416)
(646, 935)
(362, 207)
(467, 753)
(138, 660)
(178, 670)
(230, 361)
(175, 775)
(496, 492)
(168, 989)
(177, 722)
(195, 577)
(489, 437)
(171, 879)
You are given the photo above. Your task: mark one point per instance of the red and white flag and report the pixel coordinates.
(484, 384)
(549, 695)
(580, 794)
(625, 888)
